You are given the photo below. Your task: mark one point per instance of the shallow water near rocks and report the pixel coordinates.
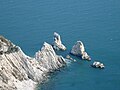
(96, 23)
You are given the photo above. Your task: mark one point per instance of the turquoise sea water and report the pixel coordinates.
(28, 23)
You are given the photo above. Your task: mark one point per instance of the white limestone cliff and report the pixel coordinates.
(79, 50)
(47, 55)
(57, 44)
(21, 72)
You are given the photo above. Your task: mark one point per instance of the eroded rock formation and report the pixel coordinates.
(21, 72)
(47, 55)
(79, 50)
(57, 44)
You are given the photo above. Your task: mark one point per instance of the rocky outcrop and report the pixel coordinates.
(57, 44)
(48, 59)
(19, 71)
(79, 50)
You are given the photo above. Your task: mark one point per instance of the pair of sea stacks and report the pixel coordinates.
(78, 49)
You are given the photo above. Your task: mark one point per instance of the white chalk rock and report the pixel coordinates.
(19, 71)
(79, 50)
(57, 44)
(48, 58)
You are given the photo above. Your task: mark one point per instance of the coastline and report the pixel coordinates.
(20, 72)
(26, 85)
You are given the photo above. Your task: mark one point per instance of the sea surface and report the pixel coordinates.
(29, 23)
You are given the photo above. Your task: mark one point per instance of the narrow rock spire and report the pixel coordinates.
(57, 44)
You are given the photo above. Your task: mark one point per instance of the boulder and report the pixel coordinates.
(97, 64)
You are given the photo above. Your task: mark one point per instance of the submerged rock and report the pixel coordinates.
(70, 58)
(58, 43)
(79, 50)
(19, 71)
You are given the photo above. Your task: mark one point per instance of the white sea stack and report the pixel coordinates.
(21, 72)
(57, 44)
(79, 50)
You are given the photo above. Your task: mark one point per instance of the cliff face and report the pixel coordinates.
(19, 71)
(47, 55)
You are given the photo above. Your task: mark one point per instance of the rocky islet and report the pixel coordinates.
(79, 50)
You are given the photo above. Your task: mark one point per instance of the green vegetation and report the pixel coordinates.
(8, 44)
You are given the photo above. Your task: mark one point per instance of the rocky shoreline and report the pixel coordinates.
(20, 72)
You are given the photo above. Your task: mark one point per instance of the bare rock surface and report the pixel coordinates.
(21, 72)
(57, 44)
(79, 50)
